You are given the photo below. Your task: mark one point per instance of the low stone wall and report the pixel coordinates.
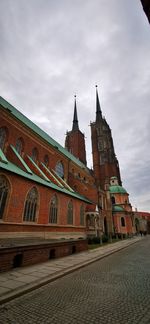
(19, 256)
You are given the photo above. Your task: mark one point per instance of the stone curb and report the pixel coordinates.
(50, 278)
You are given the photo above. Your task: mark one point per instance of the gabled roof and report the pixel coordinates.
(38, 131)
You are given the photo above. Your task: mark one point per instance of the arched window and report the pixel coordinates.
(3, 136)
(34, 155)
(46, 160)
(60, 169)
(113, 200)
(19, 145)
(4, 188)
(31, 206)
(53, 210)
(70, 213)
(122, 221)
(82, 215)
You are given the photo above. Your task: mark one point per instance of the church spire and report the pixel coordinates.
(98, 108)
(75, 125)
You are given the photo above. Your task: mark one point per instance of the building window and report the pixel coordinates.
(34, 155)
(53, 210)
(19, 145)
(60, 169)
(4, 188)
(70, 213)
(113, 199)
(46, 160)
(3, 136)
(82, 215)
(31, 206)
(122, 221)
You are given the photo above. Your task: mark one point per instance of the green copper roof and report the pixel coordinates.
(40, 171)
(117, 208)
(21, 159)
(17, 114)
(9, 166)
(117, 189)
(3, 157)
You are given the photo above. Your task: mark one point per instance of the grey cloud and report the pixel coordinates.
(51, 50)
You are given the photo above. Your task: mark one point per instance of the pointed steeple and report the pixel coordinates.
(75, 125)
(98, 107)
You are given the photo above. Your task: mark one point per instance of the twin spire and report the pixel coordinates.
(75, 125)
(98, 107)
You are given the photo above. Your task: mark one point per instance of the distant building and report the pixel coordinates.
(142, 221)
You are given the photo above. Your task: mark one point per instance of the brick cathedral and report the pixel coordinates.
(47, 192)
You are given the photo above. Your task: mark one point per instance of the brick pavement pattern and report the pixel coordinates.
(113, 290)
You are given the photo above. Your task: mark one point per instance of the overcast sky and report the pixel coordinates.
(52, 49)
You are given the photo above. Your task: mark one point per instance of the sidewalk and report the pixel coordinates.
(21, 280)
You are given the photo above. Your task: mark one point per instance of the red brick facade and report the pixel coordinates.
(75, 144)
(70, 200)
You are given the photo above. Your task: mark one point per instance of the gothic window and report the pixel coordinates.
(70, 213)
(53, 210)
(19, 145)
(82, 215)
(60, 169)
(100, 145)
(46, 160)
(3, 136)
(4, 188)
(31, 206)
(34, 155)
(122, 221)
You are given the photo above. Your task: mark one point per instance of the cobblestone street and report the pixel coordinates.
(113, 290)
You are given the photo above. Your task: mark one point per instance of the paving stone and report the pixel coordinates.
(4, 290)
(114, 290)
(10, 284)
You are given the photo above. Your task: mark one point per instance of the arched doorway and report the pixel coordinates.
(105, 226)
(137, 225)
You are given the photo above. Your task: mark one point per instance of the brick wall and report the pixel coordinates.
(38, 253)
